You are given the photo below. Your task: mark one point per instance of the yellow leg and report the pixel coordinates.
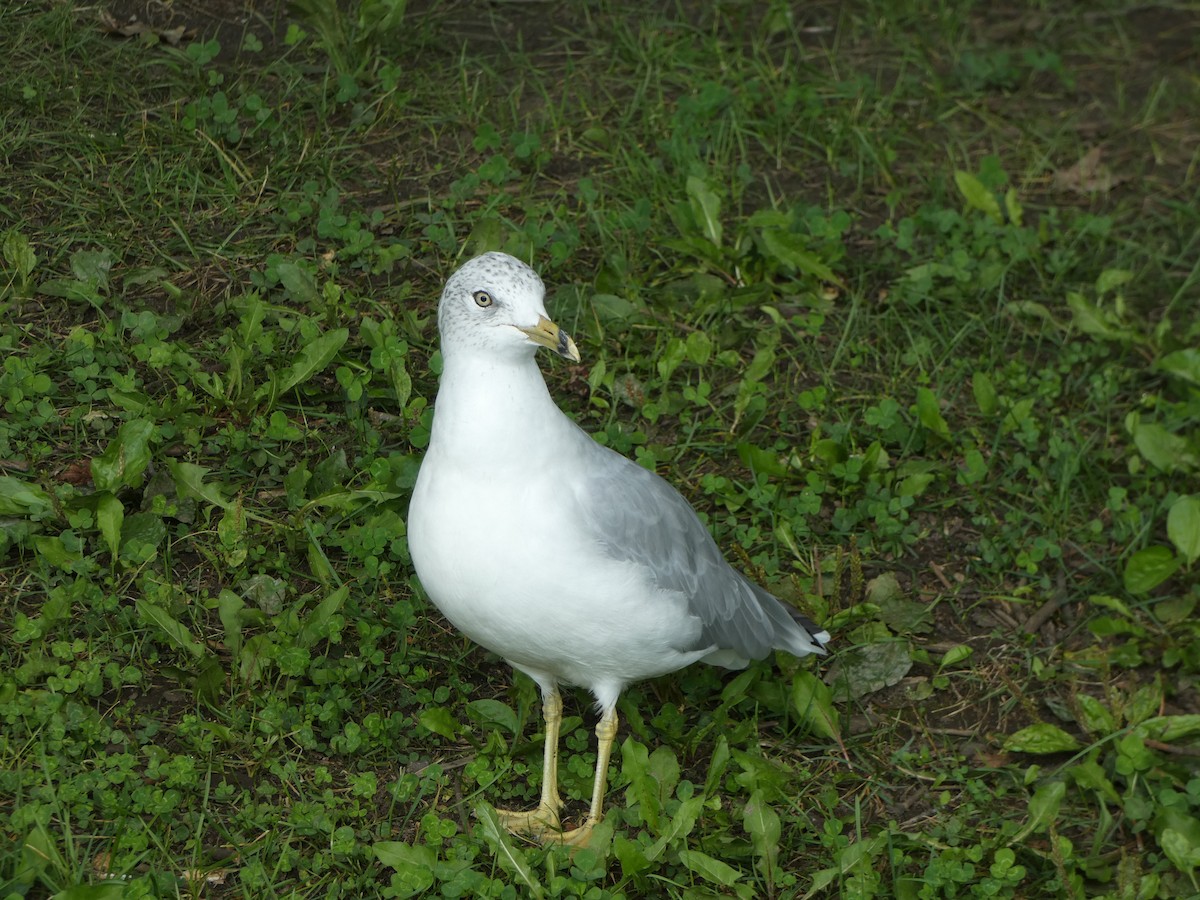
(606, 734)
(543, 822)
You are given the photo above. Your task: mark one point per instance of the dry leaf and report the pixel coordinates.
(133, 28)
(198, 877)
(101, 864)
(1088, 176)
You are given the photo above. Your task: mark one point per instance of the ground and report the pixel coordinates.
(902, 299)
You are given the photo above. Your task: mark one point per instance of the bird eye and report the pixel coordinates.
(483, 298)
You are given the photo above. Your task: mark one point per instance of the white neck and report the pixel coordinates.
(481, 401)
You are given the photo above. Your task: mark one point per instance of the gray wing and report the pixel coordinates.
(637, 516)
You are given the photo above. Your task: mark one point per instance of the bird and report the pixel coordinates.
(573, 563)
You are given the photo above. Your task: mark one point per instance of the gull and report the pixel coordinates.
(576, 565)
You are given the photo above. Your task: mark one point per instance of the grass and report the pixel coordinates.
(850, 275)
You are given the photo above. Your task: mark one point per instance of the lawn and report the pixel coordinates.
(904, 297)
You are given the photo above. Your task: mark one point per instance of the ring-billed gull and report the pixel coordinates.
(573, 563)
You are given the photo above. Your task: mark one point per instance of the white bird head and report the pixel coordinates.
(495, 304)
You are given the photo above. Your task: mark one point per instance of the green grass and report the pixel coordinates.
(834, 271)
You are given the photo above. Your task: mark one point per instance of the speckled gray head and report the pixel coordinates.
(495, 305)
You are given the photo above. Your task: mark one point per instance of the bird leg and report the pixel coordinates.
(542, 822)
(606, 734)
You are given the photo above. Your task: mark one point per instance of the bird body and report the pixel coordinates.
(570, 561)
(601, 623)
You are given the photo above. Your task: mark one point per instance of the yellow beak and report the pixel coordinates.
(546, 334)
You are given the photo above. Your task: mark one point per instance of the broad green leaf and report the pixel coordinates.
(612, 307)
(413, 865)
(141, 535)
(510, 858)
(112, 890)
(789, 249)
(760, 365)
(438, 720)
(698, 347)
(1171, 729)
(762, 824)
(763, 360)
(706, 207)
(54, 551)
(709, 868)
(190, 483)
(1031, 308)
(868, 668)
(255, 657)
(1183, 527)
(930, 414)
(266, 592)
(1163, 449)
(492, 714)
(38, 851)
(985, 393)
(1040, 738)
(914, 485)
(717, 765)
(252, 312)
(759, 460)
(896, 610)
(1180, 850)
(299, 283)
(635, 763)
(92, 266)
(229, 608)
(978, 196)
(974, 468)
(861, 854)
(1111, 279)
(884, 587)
(1095, 716)
(125, 458)
(231, 529)
(172, 628)
(1106, 602)
(1091, 775)
(210, 680)
(487, 234)
(813, 703)
(630, 855)
(316, 623)
(313, 358)
(1142, 706)
(1149, 568)
(1043, 808)
(663, 767)
(1012, 205)
(1183, 364)
(18, 254)
(672, 355)
(1091, 319)
(20, 498)
(680, 826)
(401, 380)
(955, 655)
(110, 515)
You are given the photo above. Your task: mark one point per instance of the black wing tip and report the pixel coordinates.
(820, 637)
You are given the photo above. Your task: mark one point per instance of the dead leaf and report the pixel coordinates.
(102, 864)
(1088, 176)
(864, 670)
(78, 472)
(133, 28)
(198, 877)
